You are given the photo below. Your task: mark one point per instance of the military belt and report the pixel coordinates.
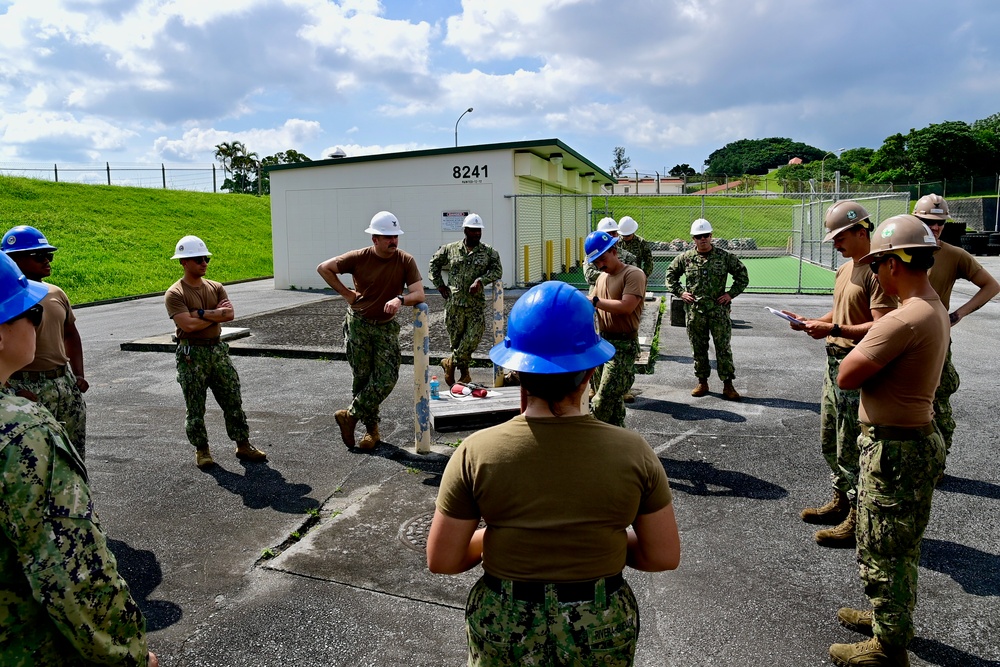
(534, 591)
(619, 336)
(837, 351)
(377, 323)
(897, 432)
(56, 372)
(198, 342)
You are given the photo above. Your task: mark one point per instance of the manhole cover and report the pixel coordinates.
(413, 533)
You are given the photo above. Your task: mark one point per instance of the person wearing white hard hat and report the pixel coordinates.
(635, 244)
(371, 330)
(198, 307)
(951, 264)
(591, 272)
(471, 265)
(707, 304)
(55, 376)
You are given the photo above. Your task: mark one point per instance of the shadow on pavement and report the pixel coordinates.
(684, 412)
(977, 572)
(704, 479)
(782, 403)
(142, 572)
(972, 487)
(937, 653)
(262, 486)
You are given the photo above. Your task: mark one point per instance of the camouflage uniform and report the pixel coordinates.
(591, 274)
(839, 426)
(64, 602)
(374, 356)
(62, 397)
(505, 631)
(894, 504)
(643, 251)
(612, 380)
(199, 369)
(942, 400)
(464, 311)
(705, 277)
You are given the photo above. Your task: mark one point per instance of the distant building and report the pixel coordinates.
(647, 185)
(795, 160)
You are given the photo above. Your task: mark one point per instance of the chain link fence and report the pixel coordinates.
(207, 178)
(778, 237)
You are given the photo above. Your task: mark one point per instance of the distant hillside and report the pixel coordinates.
(117, 241)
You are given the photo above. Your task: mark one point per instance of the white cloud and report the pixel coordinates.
(197, 141)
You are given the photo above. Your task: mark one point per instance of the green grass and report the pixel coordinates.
(117, 241)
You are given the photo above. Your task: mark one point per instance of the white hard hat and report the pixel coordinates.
(473, 221)
(701, 226)
(607, 225)
(190, 246)
(627, 226)
(384, 224)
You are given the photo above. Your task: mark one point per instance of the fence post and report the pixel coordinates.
(498, 328)
(55, 168)
(107, 165)
(163, 170)
(214, 190)
(421, 381)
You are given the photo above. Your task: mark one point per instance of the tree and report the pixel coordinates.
(239, 167)
(946, 150)
(622, 162)
(757, 156)
(682, 170)
(282, 157)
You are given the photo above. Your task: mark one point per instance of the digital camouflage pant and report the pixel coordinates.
(839, 429)
(942, 400)
(613, 380)
(200, 369)
(466, 325)
(894, 504)
(713, 320)
(374, 356)
(503, 631)
(63, 399)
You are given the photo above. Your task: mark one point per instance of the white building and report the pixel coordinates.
(320, 209)
(643, 184)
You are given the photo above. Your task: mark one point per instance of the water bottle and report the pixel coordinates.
(435, 388)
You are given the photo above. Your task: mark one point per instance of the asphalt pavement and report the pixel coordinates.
(315, 558)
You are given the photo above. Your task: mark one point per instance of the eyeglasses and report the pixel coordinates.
(33, 315)
(40, 255)
(698, 237)
(877, 262)
(200, 260)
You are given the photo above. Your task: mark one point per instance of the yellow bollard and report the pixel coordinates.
(566, 257)
(579, 254)
(498, 328)
(548, 259)
(527, 271)
(421, 380)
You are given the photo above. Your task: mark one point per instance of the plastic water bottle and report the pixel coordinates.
(435, 388)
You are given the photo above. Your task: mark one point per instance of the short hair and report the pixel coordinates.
(552, 388)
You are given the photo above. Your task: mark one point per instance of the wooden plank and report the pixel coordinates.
(450, 414)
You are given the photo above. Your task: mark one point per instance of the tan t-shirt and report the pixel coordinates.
(950, 264)
(856, 293)
(182, 298)
(556, 493)
(50, 336)
(630, 280)
(377, 279)
(911, 343)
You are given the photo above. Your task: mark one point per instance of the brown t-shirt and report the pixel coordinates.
(50, 336)
(950, 264)
(856, 293)
(182, 298)
(910, 343)
(377, 279)
(556, 493)
(630, 280)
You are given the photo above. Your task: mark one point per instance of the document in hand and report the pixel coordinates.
(783, 316)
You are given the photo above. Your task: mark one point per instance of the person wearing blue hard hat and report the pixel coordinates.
(567, 499)
(618, 297)
(64, 602)
(610, 227)
(55, 377)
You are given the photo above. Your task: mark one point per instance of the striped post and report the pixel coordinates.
(498, 328)
(421, 380)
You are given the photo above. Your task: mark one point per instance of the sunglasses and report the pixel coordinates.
(200, 260)
(40, 255)
(877, 262)
(699, 237)
(33, 315)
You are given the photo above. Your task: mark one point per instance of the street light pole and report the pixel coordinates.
(822, 168)
(469, 110)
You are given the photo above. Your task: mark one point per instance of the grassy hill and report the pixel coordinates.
(117, 241)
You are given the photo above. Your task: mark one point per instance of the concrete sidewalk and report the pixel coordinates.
(347, 584)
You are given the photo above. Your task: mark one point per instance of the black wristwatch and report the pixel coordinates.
(835, 331)
(201, 313)
(595, 300)
(401, 301)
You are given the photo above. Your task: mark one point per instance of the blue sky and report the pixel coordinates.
(151, 81)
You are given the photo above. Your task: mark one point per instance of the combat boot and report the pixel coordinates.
(247, 452)
(830, 514)
(855, 619)
(629, 397)
(449, 371)
(840, 536)
(347, 423)
(371, 438)
(701, 389)
(729, 391)
(871, 653)
(465, 377)
(203, 458)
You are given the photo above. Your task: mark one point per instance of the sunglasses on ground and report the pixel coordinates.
(33, 315)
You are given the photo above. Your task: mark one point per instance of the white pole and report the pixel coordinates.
(421, 381)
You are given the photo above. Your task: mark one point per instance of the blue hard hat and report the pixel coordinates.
(17, 293)
(23, 237)
(597, 244)
(551, 330)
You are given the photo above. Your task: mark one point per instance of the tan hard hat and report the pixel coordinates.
(932, 207)
(844, 215)
(898, 234)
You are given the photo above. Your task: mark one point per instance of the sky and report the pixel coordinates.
(165, 81)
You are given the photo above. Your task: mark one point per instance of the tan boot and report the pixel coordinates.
(247, 452)
(830, 514)
(629, 397)
(729, 391)
(871, 653)
(347, 422)
(855, 619)
(840, 536)
(701, 389)
(465, 377)
(449, 371)
(203, 458)
(371, 438)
